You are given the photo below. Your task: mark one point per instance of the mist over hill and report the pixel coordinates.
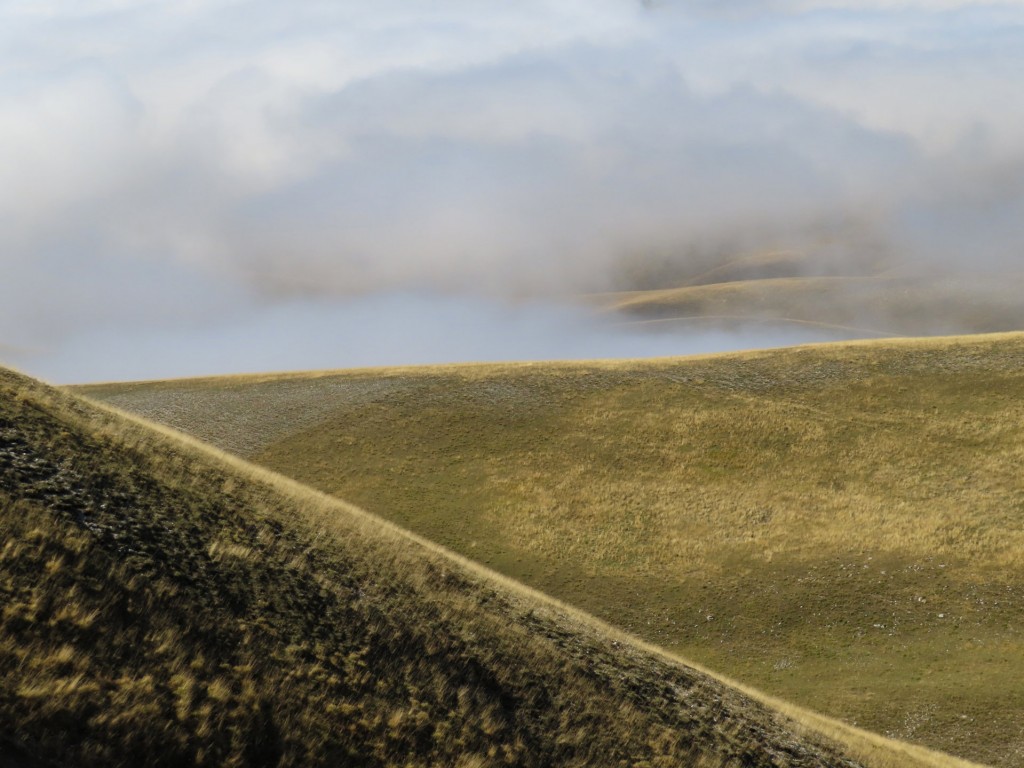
(173, 170)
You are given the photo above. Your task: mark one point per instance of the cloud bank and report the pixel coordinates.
(386, 330)
(178, 166)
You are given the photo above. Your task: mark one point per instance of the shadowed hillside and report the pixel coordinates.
(166, 606)
(838, 525)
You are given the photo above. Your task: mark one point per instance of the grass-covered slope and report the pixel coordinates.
(842, 525)
(869, 306)
(165, 606)
(863, 298)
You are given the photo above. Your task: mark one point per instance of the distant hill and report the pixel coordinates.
(863, 297)
(839, 525)
(164, 605)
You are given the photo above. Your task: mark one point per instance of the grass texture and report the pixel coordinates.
(838, 525)
(166, 605)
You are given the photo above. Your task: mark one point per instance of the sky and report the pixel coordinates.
(243, 185)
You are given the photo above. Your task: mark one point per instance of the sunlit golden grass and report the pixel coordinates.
(168, 605)
(838, 525)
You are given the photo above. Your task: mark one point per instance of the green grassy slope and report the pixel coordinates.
(163, 605)
(838, 525)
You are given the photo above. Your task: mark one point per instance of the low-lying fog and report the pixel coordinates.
(247, 184)
(394, 329)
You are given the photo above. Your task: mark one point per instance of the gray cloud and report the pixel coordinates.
(177, 167)
(536, 173)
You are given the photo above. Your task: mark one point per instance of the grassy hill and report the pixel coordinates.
(839, 525)
(165, 605)
(862, 297)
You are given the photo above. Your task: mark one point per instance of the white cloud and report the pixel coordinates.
(891, 5)
(937, 75)
(219, 154)
(390, 329)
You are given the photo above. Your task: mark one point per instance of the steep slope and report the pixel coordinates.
(839, 525)
(166, 606)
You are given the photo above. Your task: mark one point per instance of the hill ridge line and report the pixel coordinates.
(427, 368)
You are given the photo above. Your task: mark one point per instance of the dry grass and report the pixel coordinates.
(166, 605)
(837, 525)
